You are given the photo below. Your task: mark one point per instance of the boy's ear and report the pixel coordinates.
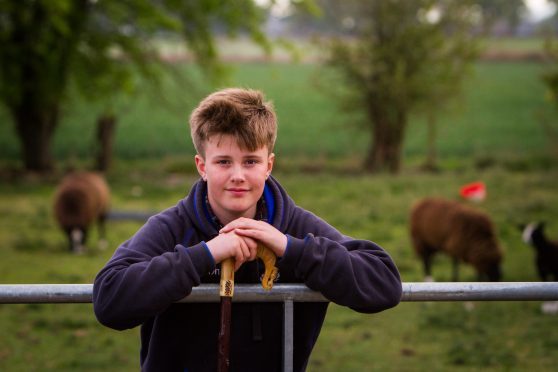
(200, 166)
(270, 161)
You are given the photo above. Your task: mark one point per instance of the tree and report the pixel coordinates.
(550, 80)
(508, 12)
(45, 45)
(406, 56)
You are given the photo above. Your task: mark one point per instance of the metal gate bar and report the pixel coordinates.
(412, 292)
(288, 335)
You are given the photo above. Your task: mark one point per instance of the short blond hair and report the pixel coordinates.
(242, 113)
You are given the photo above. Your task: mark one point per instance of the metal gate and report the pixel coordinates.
(290, 293)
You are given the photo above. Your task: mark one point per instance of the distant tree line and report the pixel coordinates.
(340, 17)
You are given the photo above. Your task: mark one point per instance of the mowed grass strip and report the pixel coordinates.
(499, 115)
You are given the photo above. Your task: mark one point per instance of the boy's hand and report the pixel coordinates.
(260, 231)
(230, 244)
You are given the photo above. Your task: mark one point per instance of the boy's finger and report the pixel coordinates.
(249, 233)
(239, 259)
(225, 229)
(237, 265)
(251, 247)
(239, 223)
(245, 249)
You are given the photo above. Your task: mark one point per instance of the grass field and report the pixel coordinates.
(414, 336)
(494, 136)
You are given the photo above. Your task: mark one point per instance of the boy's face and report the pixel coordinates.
(235, 177)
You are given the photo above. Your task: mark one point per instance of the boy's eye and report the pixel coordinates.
(252, 162)
(223, 162)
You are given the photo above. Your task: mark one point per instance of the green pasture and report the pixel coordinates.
(489, 336)
(495, 135)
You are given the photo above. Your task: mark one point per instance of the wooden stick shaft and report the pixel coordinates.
(226, 292)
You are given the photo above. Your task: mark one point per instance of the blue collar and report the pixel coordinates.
(270, 203)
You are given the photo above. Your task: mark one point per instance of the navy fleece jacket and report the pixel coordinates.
(161, 263)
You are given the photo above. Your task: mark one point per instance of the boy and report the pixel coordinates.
(234, 205)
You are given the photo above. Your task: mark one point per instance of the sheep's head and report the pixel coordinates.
(532, 230)
(490, 266)
(494, 272)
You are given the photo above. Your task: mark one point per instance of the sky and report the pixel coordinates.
(540, 9)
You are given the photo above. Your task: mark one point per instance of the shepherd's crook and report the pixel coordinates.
(226, 291)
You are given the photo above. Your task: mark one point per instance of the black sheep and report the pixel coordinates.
(546, 250)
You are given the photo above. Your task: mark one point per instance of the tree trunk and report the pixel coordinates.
(384, 154)
(41, 49)
(35, 129)
(105, 138)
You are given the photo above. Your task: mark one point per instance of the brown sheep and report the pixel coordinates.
(81, 199)
(460, 231)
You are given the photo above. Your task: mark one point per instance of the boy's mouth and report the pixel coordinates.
(237, 191)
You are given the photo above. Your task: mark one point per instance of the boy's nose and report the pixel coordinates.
(237, 174)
